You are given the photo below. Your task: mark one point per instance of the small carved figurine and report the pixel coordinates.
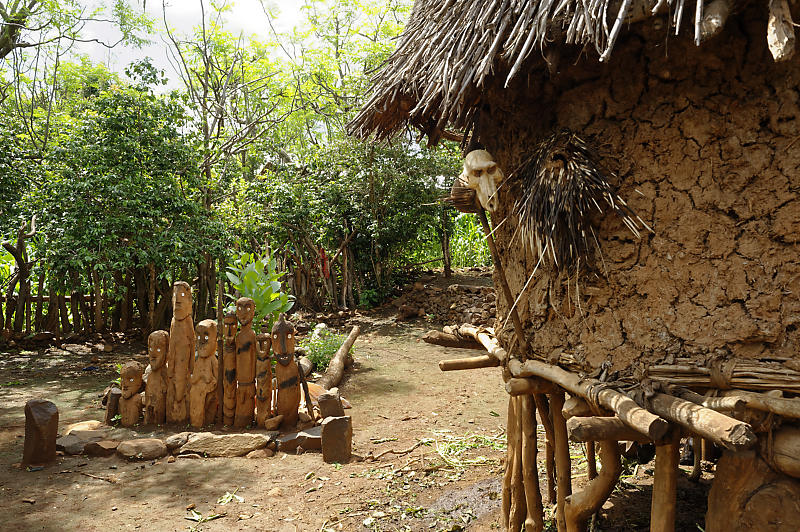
(130, 404)
(203, 391)
(229, 367)
(180, 356)
(245, 363)
(286, 372)
(263, 380)
(155, 395)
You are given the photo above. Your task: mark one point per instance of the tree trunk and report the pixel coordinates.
(127, 303)
(445, 240)
(151, 296)
(39, 302)
(99, 324)
(51, 321)
(66, 327)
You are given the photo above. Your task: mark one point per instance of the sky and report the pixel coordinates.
(246, 16)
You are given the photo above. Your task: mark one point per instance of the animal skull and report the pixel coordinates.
(482, 175)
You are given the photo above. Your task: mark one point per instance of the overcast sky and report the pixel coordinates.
(247, 16)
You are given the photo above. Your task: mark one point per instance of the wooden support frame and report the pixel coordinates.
(528, 386)
(534, 519)
(587, 429)
(580, 506)
(665, 484)
(481, 361)
(563, 464)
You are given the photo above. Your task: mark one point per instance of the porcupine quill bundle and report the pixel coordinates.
(563, 182)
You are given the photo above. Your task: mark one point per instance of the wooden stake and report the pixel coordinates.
(482, 361)
(563, 466)
(518, 509)
(626, 408)
(665, 483)
(511, 429)
(534, 521)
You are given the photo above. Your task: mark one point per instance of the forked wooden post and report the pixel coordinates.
(665, 484)
(563, 466)
(534, 520)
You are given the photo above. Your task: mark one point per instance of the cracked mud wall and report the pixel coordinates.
(706, 142)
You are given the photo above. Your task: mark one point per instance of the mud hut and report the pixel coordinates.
(690, 328)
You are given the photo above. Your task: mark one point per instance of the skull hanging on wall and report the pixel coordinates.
(482, 175)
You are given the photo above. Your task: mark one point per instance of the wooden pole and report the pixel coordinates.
(534, 520)
(518, 509)
(530, 386)
(563, 465)
(626, 408)
(580, 506)
(512, 429)
(759, 401)
(501, 274)
(730, 433)
(483, 336)
(591, 460)
(665, 483)
(450, 340)
(482, 361)
(549, 456)
(586, 429)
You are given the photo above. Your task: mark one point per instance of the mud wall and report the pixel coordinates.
(706, 142)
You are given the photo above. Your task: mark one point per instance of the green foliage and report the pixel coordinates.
(258, 279)
(468, 245)
(321, 347)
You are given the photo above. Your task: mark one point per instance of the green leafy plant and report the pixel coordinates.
(321, 347)
(258, 279)
(468, 244)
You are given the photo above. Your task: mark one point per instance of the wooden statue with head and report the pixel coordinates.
(263, 380)
(130, 404)
(482, 174)
(155, 395)
(230, 328)
(286, 372)
(245, 363)
(203, 390)
(180, 356)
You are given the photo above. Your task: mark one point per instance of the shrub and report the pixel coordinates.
(320, 348)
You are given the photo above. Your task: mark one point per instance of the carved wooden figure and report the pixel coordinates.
(229, 367)
(203, 390)
(155, 395)
(245, 363)
(180, 356)
(286, 372)
(263, 380)
(130, 404)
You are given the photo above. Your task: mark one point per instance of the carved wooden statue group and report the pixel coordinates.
(183, 372)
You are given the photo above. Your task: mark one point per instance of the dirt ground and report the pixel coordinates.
(399, 398)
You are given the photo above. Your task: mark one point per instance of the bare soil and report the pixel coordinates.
(399, 397)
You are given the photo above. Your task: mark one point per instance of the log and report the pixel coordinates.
(306, 365)
(725, 431)
(534, 520)
(626, 408)
(591, 460)
(665, 483)
(563, 465)
(760, 401)
(580, 506)
(723, 404)
(586, 429)
(784, 454)
(482, 361)
(450, 340)
(577, 406)
(529, 386)
(486, 338)
(780, 31)
(333, 375)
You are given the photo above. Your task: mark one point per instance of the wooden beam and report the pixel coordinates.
(730, 433)
(665, 483)
(577, 406)
(482, 361)
(625, 408)
(759, 401)
(586, 429)
(721, 404)
(534, 519)
(450, 340)
(486, 338)
(528, 386)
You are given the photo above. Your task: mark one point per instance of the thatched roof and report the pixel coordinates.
(450, 49)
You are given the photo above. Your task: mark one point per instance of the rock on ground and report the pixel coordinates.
(142, 449)
(224, 445)
(41, 429)
(337, 439)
